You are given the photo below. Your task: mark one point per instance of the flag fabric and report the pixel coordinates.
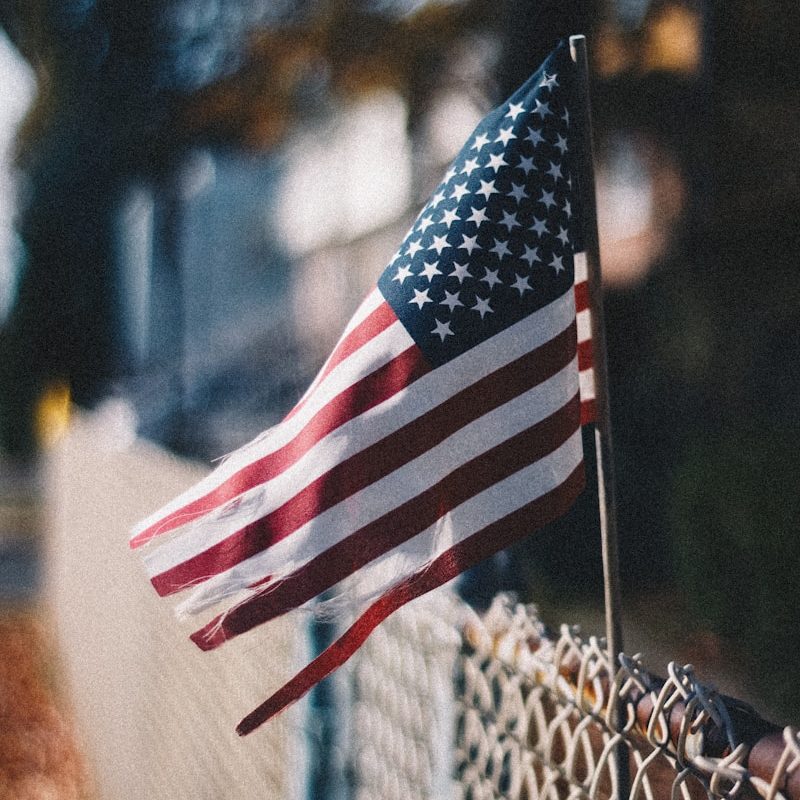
(444, 426)
(584, 323)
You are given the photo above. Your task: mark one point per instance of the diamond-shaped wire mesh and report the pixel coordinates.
(536, 716)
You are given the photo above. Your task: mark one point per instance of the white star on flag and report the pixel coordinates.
(518, 191)
(442, 329)
(402, 273)
(547, 198)
(477, 216)
(496, 161)
(491, 278)
(439, 244)
(487, 189)
(469, 243)
(531, 254)
(459, 190)
(500, 248)
(460, 272)
(421, 297)
(509, 221)
(451, 300)
(449, 217)
(522, 285)
(539, 226)
(549, 80)
(430, 271)
(534, 137)
(482, 306)
(505, 135)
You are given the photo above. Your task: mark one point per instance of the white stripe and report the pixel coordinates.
(584, 322)
(587, 384)
(467, 519)
(370, 304)
(425, 393)
(400, 486)
(378, 422)
(380, 350)
(581, 268)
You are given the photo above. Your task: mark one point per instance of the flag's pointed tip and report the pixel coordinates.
(207, 640)
(141, 535)
(255, 719)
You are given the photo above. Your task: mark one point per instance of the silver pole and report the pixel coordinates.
(605, 464)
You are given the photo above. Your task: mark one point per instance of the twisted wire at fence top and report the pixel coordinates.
(538, 718)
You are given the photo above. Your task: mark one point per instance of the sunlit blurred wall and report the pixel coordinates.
(349, 191)
(641, 185)
(156, 716)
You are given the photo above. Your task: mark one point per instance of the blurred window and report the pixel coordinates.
(17, 88)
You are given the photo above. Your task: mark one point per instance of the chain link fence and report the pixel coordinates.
(543, 716)
(439, 703)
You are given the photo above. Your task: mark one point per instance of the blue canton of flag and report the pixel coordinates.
(494, 243)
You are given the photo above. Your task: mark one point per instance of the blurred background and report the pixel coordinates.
(195, 195)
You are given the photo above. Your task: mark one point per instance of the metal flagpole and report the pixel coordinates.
(605, 465)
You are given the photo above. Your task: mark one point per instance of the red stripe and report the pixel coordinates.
(581, 296)
(585, 355)
(370, 391)
(374, 323)
(588, 412)
(374, 462)
(395, 527)
(464, 555)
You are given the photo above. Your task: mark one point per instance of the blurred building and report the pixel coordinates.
(208, 195)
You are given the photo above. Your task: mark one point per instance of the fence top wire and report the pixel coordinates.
(712, 742)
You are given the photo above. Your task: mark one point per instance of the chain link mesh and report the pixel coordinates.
(445, 704)
(403, 711)
(524, 714)
(539, 718)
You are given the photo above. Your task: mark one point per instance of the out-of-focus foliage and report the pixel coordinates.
(124, 90)
(735, 500)
(668, 39)
(735, 520)
(338, 49)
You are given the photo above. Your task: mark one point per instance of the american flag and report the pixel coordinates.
(444, 426)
